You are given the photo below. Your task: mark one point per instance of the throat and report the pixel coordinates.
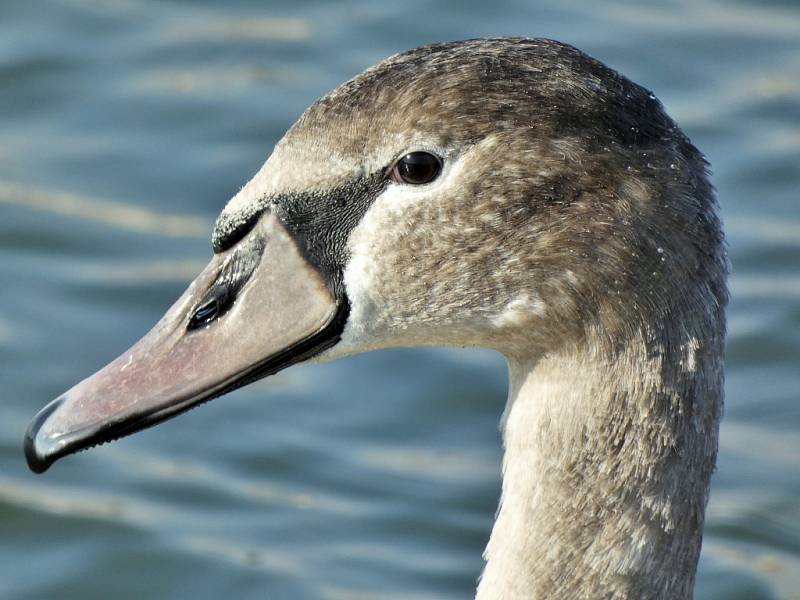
(605, 474)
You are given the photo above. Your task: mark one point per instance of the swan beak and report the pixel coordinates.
(255, 309)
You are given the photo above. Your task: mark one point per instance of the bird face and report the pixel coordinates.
(460, 194)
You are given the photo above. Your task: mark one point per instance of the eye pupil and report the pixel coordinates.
(418, 167)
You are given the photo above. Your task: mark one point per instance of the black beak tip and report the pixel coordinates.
(36, 463)
(39, 460)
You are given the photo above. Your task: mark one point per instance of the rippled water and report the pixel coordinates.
(124, 127)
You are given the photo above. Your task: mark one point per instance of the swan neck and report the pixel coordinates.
(606, 469)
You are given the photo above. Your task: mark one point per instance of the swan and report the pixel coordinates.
(508, 193)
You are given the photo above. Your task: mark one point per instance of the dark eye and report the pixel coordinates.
(416, 168)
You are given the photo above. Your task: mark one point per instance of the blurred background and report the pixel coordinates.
(125, 125)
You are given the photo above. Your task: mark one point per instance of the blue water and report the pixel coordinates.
(124, 127)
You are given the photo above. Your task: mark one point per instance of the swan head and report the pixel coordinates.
(508, 193)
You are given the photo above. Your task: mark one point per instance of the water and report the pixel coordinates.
(124, 127)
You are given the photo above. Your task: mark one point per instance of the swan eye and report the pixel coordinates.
(416, 168)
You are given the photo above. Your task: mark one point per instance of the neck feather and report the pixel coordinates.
(608, 456)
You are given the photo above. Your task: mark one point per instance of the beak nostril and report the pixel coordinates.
(215, 303)
(231, 279)
(205, 314)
